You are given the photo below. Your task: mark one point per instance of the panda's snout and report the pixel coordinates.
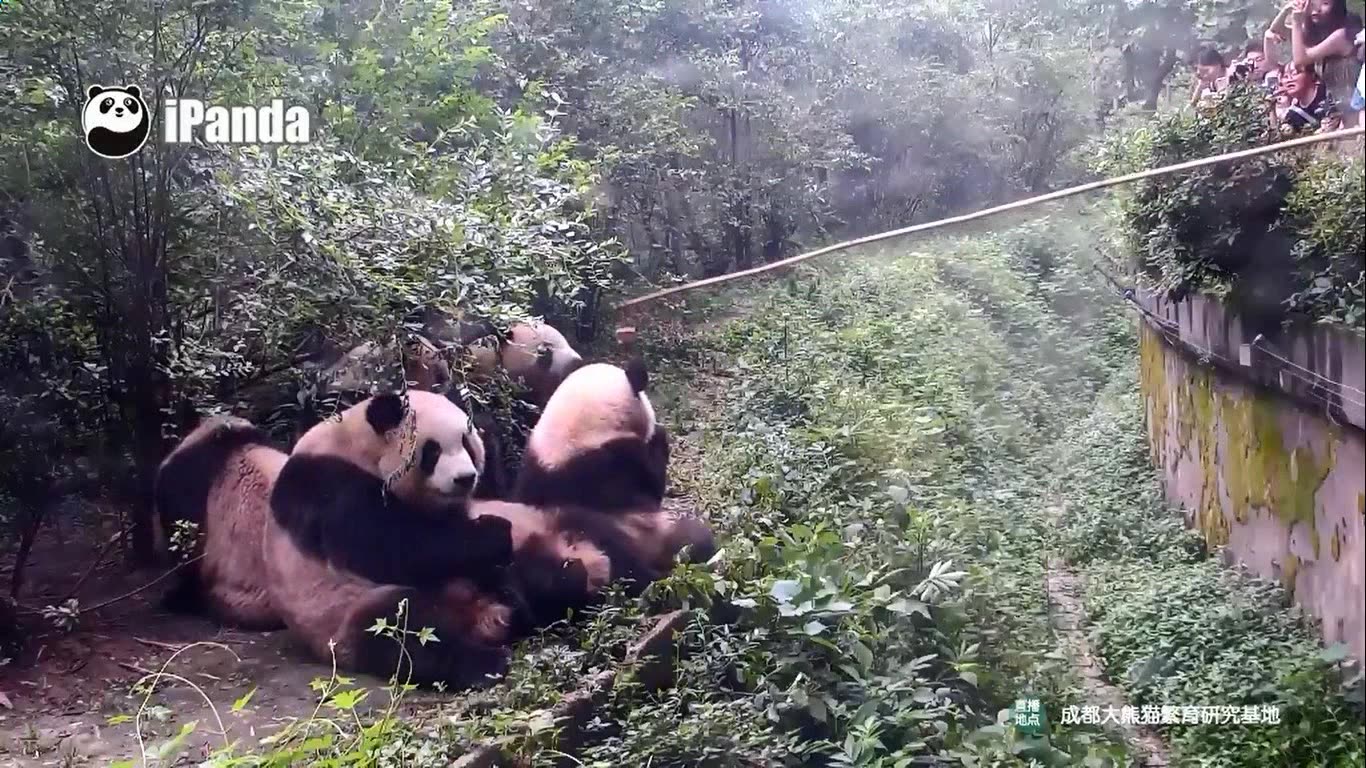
(463, 483)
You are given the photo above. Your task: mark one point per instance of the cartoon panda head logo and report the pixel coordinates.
(115, 120)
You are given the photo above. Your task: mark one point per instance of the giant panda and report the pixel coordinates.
(220, 477)
(566, 555)
(534, 354)
(355, 372)
(373, 508)
(597, 444)
(587, 506)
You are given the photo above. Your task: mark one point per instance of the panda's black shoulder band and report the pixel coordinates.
(338, 513)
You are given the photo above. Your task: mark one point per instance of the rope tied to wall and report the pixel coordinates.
(1080, 189)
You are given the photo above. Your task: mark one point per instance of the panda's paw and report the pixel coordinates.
(492, 540)
(480, 666)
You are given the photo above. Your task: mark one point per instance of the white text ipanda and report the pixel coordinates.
(273, 124)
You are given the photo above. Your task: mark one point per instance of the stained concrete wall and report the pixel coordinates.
(1266, 456)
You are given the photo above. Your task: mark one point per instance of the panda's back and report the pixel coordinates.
(238, 507)
(313, 598)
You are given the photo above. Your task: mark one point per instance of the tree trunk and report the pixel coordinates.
(1157, 78)
(776, 230)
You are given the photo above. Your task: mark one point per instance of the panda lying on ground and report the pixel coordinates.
(593, 483)
(219, 478)
(377, 508)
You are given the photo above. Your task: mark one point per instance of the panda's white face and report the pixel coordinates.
(436, 455)
(114, 110)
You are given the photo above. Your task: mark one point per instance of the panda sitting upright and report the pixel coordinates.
(597, 443)
(587, 507)
(373, 509)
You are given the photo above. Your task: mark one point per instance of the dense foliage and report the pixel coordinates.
(881, 444)
(732, 131)
(1277, 235)
(1200, 634)
(198, 277)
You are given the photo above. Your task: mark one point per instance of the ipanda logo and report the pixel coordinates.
(116, 122)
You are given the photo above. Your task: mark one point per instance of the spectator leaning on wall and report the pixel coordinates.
(1209, 75)
(1304, 105)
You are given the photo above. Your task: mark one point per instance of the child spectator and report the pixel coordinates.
(1209, 75)
(1304, 104)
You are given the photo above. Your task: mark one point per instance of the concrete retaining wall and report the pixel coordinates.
(1263, 442)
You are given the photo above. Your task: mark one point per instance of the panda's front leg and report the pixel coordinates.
(470, 631)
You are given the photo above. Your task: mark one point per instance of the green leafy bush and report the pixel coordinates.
(1174, 626)
(855, 455)
(1271, 233)
(1113, 505)
(1203, 635)
(1326, 205)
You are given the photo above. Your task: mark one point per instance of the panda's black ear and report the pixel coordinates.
(474, 330)
(637, 374)
(385, 412)
(136, 91)
(93, 91)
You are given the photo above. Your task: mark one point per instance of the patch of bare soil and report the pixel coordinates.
(65, 687)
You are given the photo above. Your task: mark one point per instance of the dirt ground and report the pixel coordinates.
(60, 694)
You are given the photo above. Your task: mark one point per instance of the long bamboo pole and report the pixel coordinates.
(1015, 206)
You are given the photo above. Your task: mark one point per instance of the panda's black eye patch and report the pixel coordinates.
(431, 453)
(106, 104)
(544, 357)
(132, 105)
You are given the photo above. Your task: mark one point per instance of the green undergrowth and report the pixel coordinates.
(1277, 237)
(869, 445)
(881, 445)
(1176, 627)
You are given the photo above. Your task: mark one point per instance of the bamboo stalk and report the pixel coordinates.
(1081, 189)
